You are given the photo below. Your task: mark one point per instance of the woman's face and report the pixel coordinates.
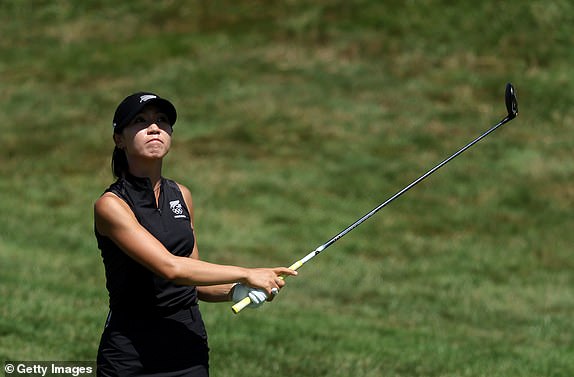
(147, 136)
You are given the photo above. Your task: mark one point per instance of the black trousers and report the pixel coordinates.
(151, 345)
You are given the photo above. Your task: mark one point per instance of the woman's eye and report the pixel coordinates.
(139, 120)
(162, 119)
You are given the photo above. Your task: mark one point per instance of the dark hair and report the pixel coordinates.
(119, 163)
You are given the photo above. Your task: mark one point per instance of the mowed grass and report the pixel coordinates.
(294, 120)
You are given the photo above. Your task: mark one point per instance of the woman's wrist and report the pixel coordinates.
(244, 273)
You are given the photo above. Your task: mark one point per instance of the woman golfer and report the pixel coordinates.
(145, 231)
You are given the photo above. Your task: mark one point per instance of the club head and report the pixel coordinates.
(511, 102)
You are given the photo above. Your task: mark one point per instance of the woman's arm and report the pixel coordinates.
(114, 219)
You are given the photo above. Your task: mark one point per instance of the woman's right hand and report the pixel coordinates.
(268, 279)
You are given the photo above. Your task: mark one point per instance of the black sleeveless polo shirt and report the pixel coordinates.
(132, 287)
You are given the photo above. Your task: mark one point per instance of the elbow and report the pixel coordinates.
(172, 271)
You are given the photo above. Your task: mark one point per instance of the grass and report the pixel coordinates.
(295, 119)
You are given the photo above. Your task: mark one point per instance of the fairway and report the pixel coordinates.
(294, 120)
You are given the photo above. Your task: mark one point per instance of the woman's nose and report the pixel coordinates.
(153, 127)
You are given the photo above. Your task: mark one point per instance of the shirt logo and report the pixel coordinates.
(147, 97)
(177, 209)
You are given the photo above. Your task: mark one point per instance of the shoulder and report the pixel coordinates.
(175, 185)
(185, 192)
(108, 200)
(110, 210)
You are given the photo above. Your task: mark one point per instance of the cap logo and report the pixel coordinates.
(147, 97)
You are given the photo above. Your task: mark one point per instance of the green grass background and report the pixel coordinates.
(296, 118)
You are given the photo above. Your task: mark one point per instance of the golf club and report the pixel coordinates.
(512, 112)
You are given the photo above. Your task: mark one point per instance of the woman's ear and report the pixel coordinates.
(119, 141)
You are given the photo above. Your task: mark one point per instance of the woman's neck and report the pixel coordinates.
(151, 171)
(155, 180)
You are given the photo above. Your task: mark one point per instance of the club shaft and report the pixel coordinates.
(407, 188)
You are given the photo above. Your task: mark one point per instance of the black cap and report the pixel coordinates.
(133, 104)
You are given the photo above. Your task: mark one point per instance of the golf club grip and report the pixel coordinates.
(240, 305)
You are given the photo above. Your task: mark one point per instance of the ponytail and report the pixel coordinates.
(119, 163)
